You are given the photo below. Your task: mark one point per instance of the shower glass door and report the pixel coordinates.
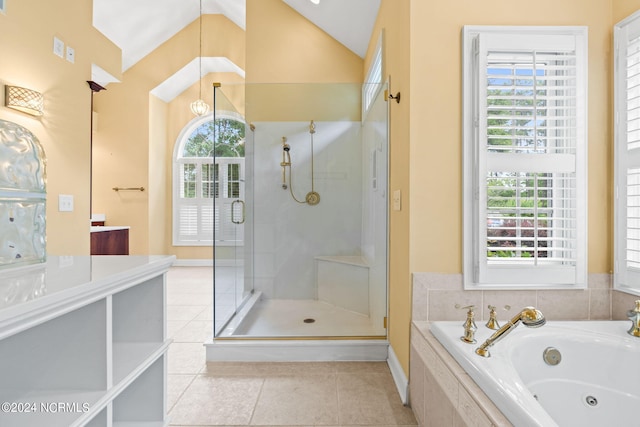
(312, 260)
(231, 285)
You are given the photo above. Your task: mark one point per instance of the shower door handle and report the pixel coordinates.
(233, 211)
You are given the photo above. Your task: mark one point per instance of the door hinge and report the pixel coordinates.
(384, 322)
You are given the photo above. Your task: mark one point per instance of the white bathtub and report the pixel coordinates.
(596, 383)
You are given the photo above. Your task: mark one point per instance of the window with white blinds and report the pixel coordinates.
(206, 186)
(627, 155)
(525, 157)
(373, 82)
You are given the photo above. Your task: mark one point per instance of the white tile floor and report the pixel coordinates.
(264, 394)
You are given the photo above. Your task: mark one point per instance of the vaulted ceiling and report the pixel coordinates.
(138, 27)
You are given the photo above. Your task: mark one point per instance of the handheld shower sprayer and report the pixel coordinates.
(312, 198)
(528, 316)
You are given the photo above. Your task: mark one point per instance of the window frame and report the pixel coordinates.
(475, 260)
(625, 278)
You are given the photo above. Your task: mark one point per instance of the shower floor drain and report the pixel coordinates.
(309, 320)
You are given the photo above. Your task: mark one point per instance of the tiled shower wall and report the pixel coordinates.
(435, 296)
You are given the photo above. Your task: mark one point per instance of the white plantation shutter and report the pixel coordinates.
(205, 199)
(373, 82)
(627, 155)
(525, 158)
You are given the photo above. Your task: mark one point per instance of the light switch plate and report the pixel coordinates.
(58, 47)
(65, 203)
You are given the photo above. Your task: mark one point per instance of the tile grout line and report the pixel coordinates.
(338, 397)
(183, 391)
(255, 405)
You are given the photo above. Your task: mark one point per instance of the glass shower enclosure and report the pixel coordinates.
(301, 215)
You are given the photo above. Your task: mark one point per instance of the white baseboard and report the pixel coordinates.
(399, 377)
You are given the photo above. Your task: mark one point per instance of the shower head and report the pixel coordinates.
(532, 318)
(285, 146)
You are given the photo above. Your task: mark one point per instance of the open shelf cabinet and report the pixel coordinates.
(93, 354)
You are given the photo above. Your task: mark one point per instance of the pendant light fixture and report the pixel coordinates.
(199, 107)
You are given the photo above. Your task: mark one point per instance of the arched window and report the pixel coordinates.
(208, 167)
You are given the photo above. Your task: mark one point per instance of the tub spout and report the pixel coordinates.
(634, 316)
(529, 316)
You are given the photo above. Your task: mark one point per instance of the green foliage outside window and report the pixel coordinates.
(516, 224)
(227, 133)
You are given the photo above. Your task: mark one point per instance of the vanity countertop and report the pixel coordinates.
(99, 228)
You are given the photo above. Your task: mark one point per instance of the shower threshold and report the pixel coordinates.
(297, 330)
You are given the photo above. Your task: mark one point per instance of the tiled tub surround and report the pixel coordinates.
(589, 379)
(435, 296)
(441, 393)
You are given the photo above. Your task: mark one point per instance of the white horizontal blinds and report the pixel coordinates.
(195, 203)
(633, 94)
(628, 155)
(188, 222)
(632, 148)
(528, 181)
(202, 183)
(633, 219)
(373, 81)
(188, 225)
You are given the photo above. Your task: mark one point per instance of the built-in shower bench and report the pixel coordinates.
(343, 281)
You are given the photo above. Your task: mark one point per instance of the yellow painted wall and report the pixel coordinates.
(284, 47)
(27, 30)
(159, 158)
(393, 18)
(624, 8)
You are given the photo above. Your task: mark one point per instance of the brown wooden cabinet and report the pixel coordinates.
(110, 241)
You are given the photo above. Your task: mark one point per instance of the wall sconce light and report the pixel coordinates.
(23, 99)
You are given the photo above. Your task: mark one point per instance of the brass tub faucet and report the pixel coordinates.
(529, 316)
(634, 316)
(469, 325)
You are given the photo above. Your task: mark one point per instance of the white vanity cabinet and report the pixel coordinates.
(83, 342)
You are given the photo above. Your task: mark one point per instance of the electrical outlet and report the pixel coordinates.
(65, 261)
(58, 47)
(397, 200)
(65, 203)
(71, 54)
